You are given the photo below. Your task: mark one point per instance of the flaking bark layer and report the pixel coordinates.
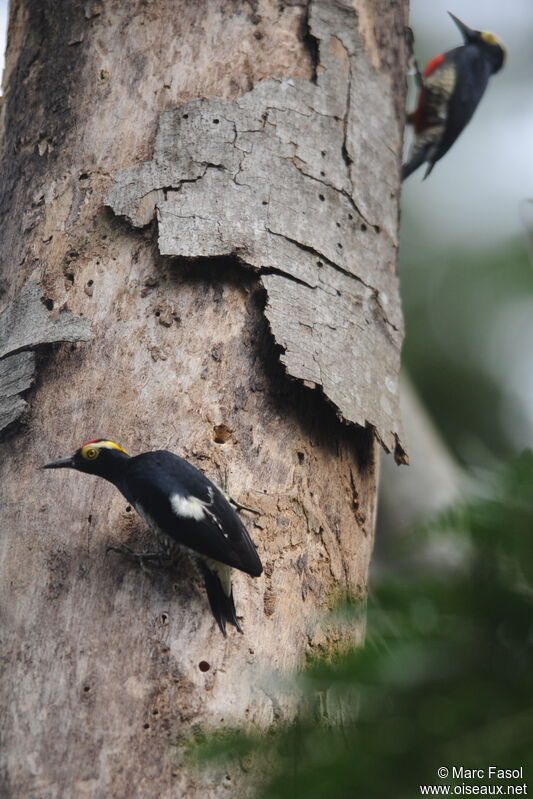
(299, 180)
(26, 324)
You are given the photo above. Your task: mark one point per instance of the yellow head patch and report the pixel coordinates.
(91, 449)
(491, 38)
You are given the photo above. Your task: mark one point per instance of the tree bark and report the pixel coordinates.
(189, 335)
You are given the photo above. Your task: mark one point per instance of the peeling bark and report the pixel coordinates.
(108, 672)
(299, 181)
(24, 325)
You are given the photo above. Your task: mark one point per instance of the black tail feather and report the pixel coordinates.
(429, 168)
(417, 158)
(222, 605)
(423, 149)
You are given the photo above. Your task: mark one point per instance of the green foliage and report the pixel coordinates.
(466, 346)
(444, 679)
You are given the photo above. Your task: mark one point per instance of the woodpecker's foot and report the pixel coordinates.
(237, 505)
(240, 506)
(160, 559)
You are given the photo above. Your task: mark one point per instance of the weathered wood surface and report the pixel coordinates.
(24, 325)
(297, 179)
(101, 678)
(16, 376)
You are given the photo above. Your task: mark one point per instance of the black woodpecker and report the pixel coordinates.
(451, 87)
(183, 508)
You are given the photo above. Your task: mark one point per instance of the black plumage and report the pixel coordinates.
(452, 85)
(184, 508)
(152, 478)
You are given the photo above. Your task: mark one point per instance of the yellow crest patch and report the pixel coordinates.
(491, 38)
(100, 443)
(111, 445)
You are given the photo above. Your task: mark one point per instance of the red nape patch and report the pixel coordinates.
(432, 65)
(94, 441)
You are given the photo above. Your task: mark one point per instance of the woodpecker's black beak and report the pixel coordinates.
(62, 463)
(468, 33)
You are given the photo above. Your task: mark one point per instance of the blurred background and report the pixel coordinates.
(466, 275)
(467, 279)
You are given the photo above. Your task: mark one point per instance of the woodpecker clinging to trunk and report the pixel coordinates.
(451, 87)
(183, 508)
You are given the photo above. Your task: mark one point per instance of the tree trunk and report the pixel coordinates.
(202, 198)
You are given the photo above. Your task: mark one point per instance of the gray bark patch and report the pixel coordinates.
(24, 325)
(300, 181)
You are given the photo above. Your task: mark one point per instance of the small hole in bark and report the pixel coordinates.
(323, 174)
(323, 153)
(48, 304)
(104, 236)
(339, 245)
(301, 457)
(264, 202)
(90, 518)
(216, 121)
(204, 665)
(377, 228)
(185, 116)
(70, 277)
(158, 313)
(146, 726)
(164, 618)
(338, 224)
(350, 216)
(319, 263)
(221, 433)
(84, 176)
(86, 688)
(128, 508)
(363, 227)
(321, 197)
(155, 712)
(258, 35)
(90, 282)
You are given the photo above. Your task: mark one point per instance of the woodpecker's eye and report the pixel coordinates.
(90, 453)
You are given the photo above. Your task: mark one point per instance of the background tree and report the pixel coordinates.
(245, 314)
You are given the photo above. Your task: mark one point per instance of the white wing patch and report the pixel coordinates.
(192, 507)
(188, 507)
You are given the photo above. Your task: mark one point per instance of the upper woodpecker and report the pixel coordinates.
(183, 508)
(451, 87)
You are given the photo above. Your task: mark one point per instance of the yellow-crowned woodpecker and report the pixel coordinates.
(451, 87)
(183, 508)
